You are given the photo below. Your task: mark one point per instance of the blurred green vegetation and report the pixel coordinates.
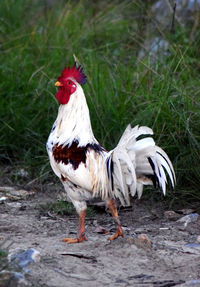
(38, 38)
(61, 207)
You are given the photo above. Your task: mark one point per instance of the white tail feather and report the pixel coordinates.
(137, 163)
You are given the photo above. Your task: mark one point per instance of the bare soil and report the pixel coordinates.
(158, 258)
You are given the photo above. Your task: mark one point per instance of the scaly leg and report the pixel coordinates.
(113, 210)
(81, 230)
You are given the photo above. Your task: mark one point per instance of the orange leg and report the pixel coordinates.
(81, 230)
(113, 210)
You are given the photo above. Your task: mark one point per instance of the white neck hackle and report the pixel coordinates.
(73, 120)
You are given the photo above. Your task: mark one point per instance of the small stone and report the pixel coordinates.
(171, 215)
(143, 241)
(3, 198)
(23, 258)
(192, 217)
(95, 222)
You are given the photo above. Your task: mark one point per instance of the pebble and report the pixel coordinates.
(3, 198)
(143, 241)
(171, 215)
(23, 258)
(192, 217)
(95, 223)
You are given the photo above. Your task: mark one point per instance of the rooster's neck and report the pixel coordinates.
(73, 121)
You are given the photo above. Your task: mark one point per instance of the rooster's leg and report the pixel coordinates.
(81, 230)
(113, 210)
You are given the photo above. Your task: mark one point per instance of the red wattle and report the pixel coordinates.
(62, 96)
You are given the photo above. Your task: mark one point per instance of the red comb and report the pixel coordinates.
(74, 72)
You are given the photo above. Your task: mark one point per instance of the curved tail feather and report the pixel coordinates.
(136, 163)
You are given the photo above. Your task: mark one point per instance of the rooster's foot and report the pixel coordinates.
(75, 240)
(119, 232)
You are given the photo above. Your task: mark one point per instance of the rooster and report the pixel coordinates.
(86, 169)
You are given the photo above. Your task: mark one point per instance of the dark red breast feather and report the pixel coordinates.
(74, 72)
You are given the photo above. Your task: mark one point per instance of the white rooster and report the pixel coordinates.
(86, 169)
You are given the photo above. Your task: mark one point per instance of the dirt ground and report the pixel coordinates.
(160, 257)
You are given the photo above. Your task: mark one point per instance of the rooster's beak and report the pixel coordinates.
(58, 84)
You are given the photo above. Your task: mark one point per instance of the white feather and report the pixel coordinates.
(131, 160)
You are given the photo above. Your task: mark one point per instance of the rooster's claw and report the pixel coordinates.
(75, 240)
(119, 232)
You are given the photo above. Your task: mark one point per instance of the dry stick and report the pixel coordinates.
(79, 255)
(175, 15)
(172, 30)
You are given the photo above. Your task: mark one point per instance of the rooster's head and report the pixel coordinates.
(67, 83)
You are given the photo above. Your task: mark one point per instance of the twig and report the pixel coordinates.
(172, 30)
(149, 68)
(175, 16)
(79, 255)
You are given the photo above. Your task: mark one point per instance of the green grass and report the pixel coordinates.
(3, 253)
(58, 207)
(62, 207)
(3, 259)
(37, 40)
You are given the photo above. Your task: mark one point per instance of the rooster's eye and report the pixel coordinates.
(69, 82)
